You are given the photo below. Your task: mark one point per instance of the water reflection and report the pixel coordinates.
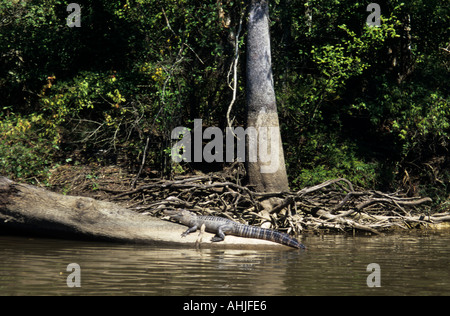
(332, 265)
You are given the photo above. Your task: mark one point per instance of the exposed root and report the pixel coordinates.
(333, 206)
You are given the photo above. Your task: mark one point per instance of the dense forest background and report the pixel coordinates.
(370, 104)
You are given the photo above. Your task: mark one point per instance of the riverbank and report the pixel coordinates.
(331, 207)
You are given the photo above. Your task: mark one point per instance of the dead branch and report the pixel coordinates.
(334, 205)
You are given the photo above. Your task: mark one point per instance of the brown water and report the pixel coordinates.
(332, 265)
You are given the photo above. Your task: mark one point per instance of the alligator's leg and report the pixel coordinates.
(190, 230)
(220, 235)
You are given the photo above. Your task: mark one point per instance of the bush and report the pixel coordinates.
(26, 150)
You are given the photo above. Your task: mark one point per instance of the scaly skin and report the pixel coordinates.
(222, 226)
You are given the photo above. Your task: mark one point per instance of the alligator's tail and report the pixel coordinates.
(269, 234)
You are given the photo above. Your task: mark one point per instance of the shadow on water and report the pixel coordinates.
(332, 265)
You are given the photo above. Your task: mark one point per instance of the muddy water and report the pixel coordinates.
(332, 265)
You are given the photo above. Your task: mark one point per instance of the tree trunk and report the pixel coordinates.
(28, 209)
(267, 170)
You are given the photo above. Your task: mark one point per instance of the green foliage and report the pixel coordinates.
(426, 121)
(25, 148)
(365, 103)
(352, 102)
(332, 159)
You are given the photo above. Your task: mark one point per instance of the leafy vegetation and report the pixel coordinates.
(367, 103)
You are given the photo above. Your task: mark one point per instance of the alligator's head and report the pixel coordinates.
(180, 215)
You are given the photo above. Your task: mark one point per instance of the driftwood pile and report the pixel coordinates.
(333, 206)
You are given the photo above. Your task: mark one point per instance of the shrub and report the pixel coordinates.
(26, 149)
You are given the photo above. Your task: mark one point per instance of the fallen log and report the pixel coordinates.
(27, 209)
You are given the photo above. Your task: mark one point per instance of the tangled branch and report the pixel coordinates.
(333, 206)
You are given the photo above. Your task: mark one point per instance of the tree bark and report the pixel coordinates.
(267, 173)
(28, 209)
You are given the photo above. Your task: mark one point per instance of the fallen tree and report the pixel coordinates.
(34, 210)
(26, 209)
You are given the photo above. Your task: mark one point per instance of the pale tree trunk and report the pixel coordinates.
(29, 210)
(267, 173)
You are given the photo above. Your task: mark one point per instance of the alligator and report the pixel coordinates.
(221, 226)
